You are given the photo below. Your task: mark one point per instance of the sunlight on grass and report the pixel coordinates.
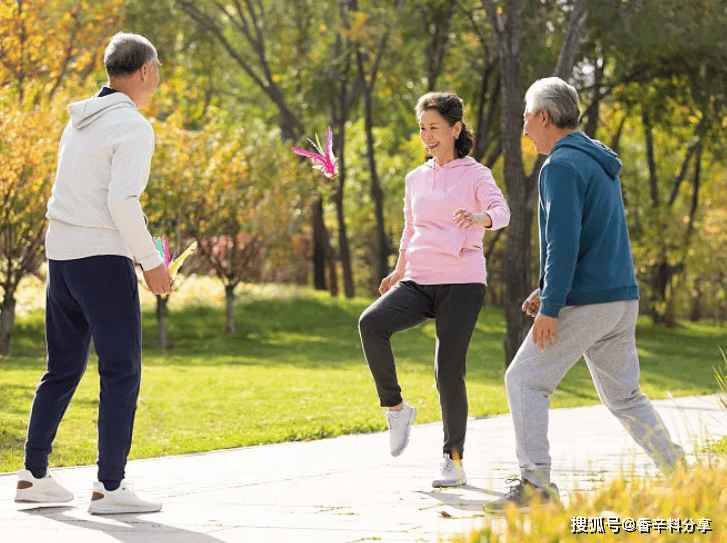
(296, 340)
(293, 371)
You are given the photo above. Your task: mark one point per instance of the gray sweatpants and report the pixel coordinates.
(604, 334)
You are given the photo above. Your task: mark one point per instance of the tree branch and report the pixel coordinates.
(290, 123)
(678, 179)
(572, 44)
(209, 24)
(653, 175)
(76, 14)
(498, 25)
(616, 139)
(695, 193)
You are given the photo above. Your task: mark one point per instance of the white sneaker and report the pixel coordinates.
(121, 500)
(451, 473)
(45, 490)
(399, 426)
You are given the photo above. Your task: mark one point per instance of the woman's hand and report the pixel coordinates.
(389, 281)
(467, 219)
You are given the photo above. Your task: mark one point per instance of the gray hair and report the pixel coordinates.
(126, 53)
(558, 98)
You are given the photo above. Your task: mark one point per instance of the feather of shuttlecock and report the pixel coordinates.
(163, 249)
(324, 160)
(167, 258)
(177, 262)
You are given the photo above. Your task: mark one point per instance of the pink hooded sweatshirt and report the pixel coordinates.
(437, 251)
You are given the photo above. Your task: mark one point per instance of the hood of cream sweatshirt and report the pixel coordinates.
(103, 167)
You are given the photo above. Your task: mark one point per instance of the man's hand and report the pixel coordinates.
(158, 280)
(531, 306)
(545, 331)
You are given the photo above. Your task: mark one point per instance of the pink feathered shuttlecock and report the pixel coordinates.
(324, 160)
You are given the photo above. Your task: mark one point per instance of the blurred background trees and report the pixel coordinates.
(244, 81)
(48, 51)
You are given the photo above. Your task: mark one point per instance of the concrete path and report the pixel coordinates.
(346, 489)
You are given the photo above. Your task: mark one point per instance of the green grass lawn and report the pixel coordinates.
(294, 371)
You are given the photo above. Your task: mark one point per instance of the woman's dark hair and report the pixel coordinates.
(451, 108)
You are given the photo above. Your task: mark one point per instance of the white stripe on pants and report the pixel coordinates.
(604, 334)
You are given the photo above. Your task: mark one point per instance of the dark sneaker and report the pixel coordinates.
(522, 492)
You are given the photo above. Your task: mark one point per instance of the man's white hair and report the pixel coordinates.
(558, 98)
(126, 53)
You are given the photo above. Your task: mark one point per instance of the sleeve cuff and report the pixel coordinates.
(500, 217)
(550, 309)
(150, 262)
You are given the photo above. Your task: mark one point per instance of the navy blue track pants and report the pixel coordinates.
(90, 298)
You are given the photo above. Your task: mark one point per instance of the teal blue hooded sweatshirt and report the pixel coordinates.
(585, 255)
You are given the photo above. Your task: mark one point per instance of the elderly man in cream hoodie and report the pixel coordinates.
(96, 231)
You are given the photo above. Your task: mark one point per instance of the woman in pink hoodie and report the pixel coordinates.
(449, 202)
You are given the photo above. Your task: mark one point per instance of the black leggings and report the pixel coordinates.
(455, 308)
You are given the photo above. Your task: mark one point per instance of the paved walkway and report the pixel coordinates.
(345, 489)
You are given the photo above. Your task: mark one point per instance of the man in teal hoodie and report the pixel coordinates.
(587, 303)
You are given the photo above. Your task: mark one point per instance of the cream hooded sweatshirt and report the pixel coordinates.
(103, 167)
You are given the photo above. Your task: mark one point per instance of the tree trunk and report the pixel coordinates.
(340, 115)
(230, 308)
(343, 246)
(485, 133)
(162, 312)
(518, 254)
(319, 245)
(332, 272)
(663, 273)
(521, 189)
(7, 320)
(323, 254)
(594, 108)
(436, 49)
(381, 256)
(695, 314)
(650, 159)
(368, 81)
(518, 276)
(719, 306)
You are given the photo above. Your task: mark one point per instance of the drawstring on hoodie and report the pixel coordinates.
(434, 164)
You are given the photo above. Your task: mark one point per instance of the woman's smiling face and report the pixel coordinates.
(438, 136)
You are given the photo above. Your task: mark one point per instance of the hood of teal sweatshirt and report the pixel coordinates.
(608, 160)
(88, 111)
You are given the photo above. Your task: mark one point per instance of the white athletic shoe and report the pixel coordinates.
(121, 500)
(399, 426)
(45, 490)
(451, 473)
